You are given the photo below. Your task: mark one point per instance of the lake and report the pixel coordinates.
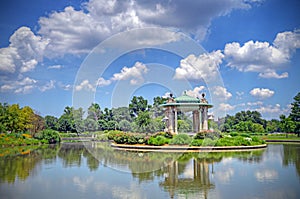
(95, 170)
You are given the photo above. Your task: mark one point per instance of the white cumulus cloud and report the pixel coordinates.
(222, 93)
(205, 66)
(49, 85)
(22, 85)
(226, 107)
(134, 73)
(23, 53)
(262, 93)
(262, 57)
(103, 82)
(85, 85)
(196, 92)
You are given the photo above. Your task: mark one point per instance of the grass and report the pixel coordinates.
(280, 137)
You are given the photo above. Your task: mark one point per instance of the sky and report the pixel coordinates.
(243, 54)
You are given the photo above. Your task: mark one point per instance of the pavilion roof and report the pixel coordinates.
(187, 99)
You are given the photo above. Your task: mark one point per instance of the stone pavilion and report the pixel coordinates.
(186, 103)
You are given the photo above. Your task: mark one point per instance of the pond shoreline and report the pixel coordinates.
(178, 148)
(282, 140)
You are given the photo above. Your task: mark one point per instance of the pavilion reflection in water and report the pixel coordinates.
(198, 184)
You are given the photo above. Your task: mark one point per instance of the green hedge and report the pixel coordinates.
(51, 136)
(158, 140)
(181, 139)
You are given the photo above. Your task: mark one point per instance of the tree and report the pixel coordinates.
(137, 105)
(184, 126)
(107, 115)
(38, 124)
(157, 111)
(257, 128)
(94, 112)
(124, 125)
(121, 113)
(286, 124)
(51, 122)
(295, 113)
(272, 126)
(90, 125)
(143, 120)
(102, 125)
(71, 120)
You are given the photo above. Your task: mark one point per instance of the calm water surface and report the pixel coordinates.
(95, 170)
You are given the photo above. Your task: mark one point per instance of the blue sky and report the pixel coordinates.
(250, 59)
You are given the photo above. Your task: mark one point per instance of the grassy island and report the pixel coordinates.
(200, 139)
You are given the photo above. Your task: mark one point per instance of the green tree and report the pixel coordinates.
(287, 124)
(90, 125)
(13, 123)
(273, 126)
(124, 125)
(137, 105)
(295, 113)
(102, 125)
(121, 113)
(184, 126)
(156, 110)
(71, 120)
(257, 128)
(107, 115)
(94, 112)
(51, 122)
(3, 117)
(143, 120)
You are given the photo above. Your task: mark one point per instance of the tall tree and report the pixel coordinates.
(51, 122)
(94, 112)
(121, 113)
(157, 111)
(286, 124)
(137, 105)
(295, 113)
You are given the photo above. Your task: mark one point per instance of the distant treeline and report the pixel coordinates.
(139, 116)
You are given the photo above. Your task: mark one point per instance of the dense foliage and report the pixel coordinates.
(252, 121)
(139, 117)
(14, 119)
(200, 139)
(51, 136)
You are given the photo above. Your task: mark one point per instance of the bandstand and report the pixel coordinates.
(186, 103)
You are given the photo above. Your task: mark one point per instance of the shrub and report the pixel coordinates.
(196, 142)
(165, 134)
(245, 135)
(50, 135)
(119, 138)
(199, 135)
(158, 140)
(181, 139)
(112, 134)
(127, 138)
(208, 142)
(233, 134)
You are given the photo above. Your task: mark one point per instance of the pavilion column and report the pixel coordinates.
(201, 119)
(196, 121)
(175, 122)
(171, 120)
(205, 118)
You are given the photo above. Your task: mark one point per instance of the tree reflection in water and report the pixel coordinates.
(291, 156)
(177, 173)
